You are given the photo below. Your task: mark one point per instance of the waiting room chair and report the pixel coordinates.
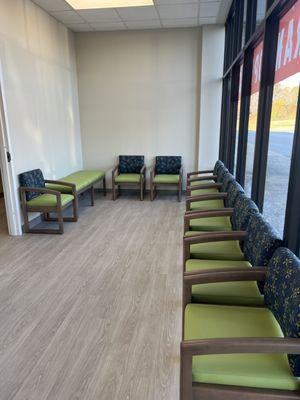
(167, 170)
(131, 170)
(35, 197)
(243, 353)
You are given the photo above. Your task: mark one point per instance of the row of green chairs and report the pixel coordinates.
(241, 298)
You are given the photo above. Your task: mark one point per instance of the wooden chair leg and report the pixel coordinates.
(113, 191)
(75, 209)
(104, 186)
(179, 191)
(92, 196)
(151, 190)
(141, 191)
(186, 382)
(26, 220)
(60, 220)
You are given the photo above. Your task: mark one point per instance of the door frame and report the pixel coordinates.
(9, 181)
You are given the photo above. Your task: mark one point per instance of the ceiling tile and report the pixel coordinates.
(144, 24)
(207, 20)
(137, 13)
(53, 5)
(209, 9)
(172, 2)
(79, 27)
(107, 14)
(108, 26)
(177, 11)
(179, 22)
(67, 17)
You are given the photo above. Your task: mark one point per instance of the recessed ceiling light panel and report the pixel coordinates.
(96, 4)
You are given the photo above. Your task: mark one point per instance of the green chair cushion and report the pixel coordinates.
(233, 293)
(166, 178)
(207, 204)
(211, 224)
(81, 179)
(199, 192)
(225, 250)
(127, 178)
(269, 371)
(198, 183)
(49, 200)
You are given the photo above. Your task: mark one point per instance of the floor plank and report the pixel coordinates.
(95, 313)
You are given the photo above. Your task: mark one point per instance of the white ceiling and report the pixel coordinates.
(164, 14)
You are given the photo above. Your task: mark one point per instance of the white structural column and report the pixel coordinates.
(212, 57)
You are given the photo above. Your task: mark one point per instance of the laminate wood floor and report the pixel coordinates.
(94, 314)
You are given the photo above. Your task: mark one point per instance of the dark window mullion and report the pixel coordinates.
(234, 93)
(264, 111)
(292, 217)
(224, 116)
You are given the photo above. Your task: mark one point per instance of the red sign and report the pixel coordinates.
(288, 49)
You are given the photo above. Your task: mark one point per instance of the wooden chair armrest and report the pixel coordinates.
(206, 186)
(143, 170)
(181, 171)
(62, 183)
(207, 171)
(240, 345)
(234, 274)
(201, 237)
(203, 178)
(225, 212)
(115, 169)
(205, 197)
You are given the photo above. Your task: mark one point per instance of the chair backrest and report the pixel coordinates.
(221, 174)
(168, 165)
(261, 242)
(34, 179)
(233, 190)
(227, 179)
(131, 164)
(243, 209)
(282, 296)
(219, 164)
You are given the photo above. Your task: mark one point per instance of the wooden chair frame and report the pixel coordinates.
(58, 209)
(153, 185)
(141, 184)
(190, 390)
(190, 215)
(204, 197)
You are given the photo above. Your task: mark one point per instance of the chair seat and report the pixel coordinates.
(268, 371)
(207, 204)
(225, 250)
(232, 293)
(127, 178)
(199, 192)
(211, 224)
(198, 183)
(50, 200)
(81, 179)
(166, 178)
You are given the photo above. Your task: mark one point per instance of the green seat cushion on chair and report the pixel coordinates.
(207, 205)
(166, 178)
(81, 179)
(199, 192)
(198, 183)
(233, 293)
(268, 371)
(211, 224)
(50, 200)
(225, 250)
(127, 178)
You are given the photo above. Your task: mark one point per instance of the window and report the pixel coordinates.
(255, 84)
(260, 11)
(238, 118)
(244, 22)
(284, 108)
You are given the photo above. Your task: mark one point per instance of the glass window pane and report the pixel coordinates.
(284, 108)
(244, 23)
(238, 119)
(256, 74)
(261, 11)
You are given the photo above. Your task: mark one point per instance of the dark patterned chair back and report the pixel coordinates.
(228, 178)
(233, 190)
(261, 242)
(221, 174)
(282, 296)
(243, 209)
(131, 164)
(219, 164)
(169, 165)
(34, 179)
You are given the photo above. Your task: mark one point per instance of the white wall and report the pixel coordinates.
(213, 39)
(39, 81)
(138, 94)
